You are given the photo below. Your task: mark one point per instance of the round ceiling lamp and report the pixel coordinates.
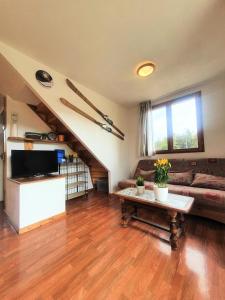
(146, 69)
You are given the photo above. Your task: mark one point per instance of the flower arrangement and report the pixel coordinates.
(140, 181)
(161, 173)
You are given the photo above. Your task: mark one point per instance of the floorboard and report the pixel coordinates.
(88, 255)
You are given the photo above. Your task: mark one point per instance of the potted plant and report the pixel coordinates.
(162, 167)
(140, 183)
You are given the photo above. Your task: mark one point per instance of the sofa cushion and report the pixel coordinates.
(209, 181)
(132, 183)
(181, 178)
(147, 175)
(213, 166)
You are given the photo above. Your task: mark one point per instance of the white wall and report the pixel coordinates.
(213, 103)
(108, 149)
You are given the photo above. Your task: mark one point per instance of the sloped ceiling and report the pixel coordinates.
(100, 43)
(13, 85)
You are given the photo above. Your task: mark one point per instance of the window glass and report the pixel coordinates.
(184, 124)
(177, 125)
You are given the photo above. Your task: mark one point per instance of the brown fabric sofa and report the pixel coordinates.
(209, 203)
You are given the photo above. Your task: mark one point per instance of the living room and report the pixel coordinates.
(112, 170)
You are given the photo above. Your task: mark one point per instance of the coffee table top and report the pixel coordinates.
(174, 202)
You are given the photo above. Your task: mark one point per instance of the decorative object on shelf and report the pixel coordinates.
(44, 136)
(162, 167)
(33, 135)
(52, 136)
(105, 117)
(61, 137)
(82, 113)
(76, 177)
(60, 155)
(14, 124)
(36, 141)
(44, 78)
(140, 183)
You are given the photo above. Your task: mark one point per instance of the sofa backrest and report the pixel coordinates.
(214, 166)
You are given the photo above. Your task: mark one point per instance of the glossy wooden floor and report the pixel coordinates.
(88, 255)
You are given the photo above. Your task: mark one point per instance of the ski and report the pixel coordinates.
(90, 118)
(105, 117)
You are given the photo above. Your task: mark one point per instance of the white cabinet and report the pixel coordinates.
(32, 202)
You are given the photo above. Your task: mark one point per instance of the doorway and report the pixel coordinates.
(2, 148)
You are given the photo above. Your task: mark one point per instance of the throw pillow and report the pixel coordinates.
(209, 181)
(181, 178)
(147, 175)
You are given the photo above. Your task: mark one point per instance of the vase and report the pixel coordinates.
(140, 189)
(14, 125)
(161, 194)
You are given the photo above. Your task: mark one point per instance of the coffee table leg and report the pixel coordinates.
(182, 223)
(125, 218)
(135, 211)
(173, 230)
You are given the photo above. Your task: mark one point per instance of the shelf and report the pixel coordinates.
(76, 178)
(26, 140)
(72, 163)
(76, 173)
(75, 195)
(75, 184)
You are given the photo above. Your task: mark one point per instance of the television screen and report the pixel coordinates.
(27, 163)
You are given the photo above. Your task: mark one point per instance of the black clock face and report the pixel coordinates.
(44, 78)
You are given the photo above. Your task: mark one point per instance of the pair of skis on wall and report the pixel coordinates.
(118, 134)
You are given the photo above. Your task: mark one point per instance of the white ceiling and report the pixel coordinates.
(100, 43)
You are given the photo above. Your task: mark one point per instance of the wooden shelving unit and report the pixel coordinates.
(76, 178)
(25, 140)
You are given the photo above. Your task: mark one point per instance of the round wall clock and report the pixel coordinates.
(44, 78)
(52, 136)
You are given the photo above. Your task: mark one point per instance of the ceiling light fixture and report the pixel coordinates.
(146, 69)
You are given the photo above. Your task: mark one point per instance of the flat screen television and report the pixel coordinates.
(29, 163)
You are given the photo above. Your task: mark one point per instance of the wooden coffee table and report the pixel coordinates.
(176, 206)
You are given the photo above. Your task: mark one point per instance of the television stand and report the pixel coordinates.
(32, 202)
(35, 178)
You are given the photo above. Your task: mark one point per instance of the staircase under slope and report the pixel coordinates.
(97, 171)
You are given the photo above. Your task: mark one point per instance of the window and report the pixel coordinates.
(177, 125)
